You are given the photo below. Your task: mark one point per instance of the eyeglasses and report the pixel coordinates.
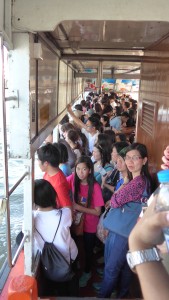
(89, 126)
(133, 158)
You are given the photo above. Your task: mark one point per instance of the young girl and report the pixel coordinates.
(87, 200)
(116, 246)
(63, 165)
(102, 156)
(105, 122)
(46, 220)
(72, 139)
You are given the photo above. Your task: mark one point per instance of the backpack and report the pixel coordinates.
(54, 264)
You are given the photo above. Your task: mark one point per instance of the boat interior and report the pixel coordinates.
(59, 44)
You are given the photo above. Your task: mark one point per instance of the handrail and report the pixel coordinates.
(26, 235)
(17, 183)
(4, 151)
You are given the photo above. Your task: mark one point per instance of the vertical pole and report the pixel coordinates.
(28, 217)
(100, 74)
(4, 151)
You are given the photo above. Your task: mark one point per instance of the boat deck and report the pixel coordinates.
(86, 292)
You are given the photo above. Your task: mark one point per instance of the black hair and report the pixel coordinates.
(105, 141)
(83, 103)
(67, 126)
(118, 110)
(142, 149)
(96, 115)
(106, 119)
(97, 107)
(95, 122)
(63, 152)
(125, 114)
(122, 137)
(90, 180)
(64, 120)
(44, 194)
(50, 154)
(119, 146)
(73, 136)
(127, 104)
(105, 153)
(79, 107)
(107, 109)
(111, 134)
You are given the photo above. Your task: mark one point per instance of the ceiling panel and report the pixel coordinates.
(119, 38)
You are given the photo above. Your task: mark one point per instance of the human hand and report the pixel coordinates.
(163, 248)
(107, 204)
(165, 159)
(105, 232)
(76, 206)
(148, 231)
(103, 180)
(69, 108)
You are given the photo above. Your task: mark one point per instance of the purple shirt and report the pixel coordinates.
(131, 192)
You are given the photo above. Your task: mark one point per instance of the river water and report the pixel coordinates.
(15, 170)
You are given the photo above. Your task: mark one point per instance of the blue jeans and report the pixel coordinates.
(116, 270)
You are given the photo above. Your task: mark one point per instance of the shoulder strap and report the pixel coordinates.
(58, 224)
(56, 229)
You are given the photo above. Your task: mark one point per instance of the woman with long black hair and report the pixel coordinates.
(87, 203)
(137, 190)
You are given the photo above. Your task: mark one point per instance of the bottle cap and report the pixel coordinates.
(163, 176)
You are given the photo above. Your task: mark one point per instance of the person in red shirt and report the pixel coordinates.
(49, 159)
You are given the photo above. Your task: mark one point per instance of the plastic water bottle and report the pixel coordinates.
(162, 198)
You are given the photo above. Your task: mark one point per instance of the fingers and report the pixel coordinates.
(149, 231)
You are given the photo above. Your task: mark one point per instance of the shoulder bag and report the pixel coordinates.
(55, 266)
(78, 224)
(101, 232)
(121, 220)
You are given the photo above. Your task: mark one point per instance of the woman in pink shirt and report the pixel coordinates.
(87, 200)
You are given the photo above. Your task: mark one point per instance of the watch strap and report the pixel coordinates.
(142, 256)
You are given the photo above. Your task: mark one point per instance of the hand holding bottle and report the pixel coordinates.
(165, 159)
(148, 231)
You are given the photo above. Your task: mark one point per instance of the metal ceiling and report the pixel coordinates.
(119, 45)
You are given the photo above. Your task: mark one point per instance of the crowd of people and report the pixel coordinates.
(95, 165)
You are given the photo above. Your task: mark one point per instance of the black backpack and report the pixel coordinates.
(55, 266)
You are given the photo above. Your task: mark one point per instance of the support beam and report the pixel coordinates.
(115, 76)
(122, 58)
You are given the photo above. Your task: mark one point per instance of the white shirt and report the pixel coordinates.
(46, 223)
(92, 139)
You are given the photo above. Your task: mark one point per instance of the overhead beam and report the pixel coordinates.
(115, 76)
(120, 58)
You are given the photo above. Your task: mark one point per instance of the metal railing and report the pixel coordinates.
(7, 192)
(25, 237)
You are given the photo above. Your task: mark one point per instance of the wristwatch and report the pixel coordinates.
(142, 256)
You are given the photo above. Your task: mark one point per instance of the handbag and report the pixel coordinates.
(77, 226)
(122, 220)
(101, 231)
(54, 264)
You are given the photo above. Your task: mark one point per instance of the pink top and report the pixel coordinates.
(131, 192)
(90, 221)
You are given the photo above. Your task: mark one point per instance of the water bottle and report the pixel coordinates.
(162, 198)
